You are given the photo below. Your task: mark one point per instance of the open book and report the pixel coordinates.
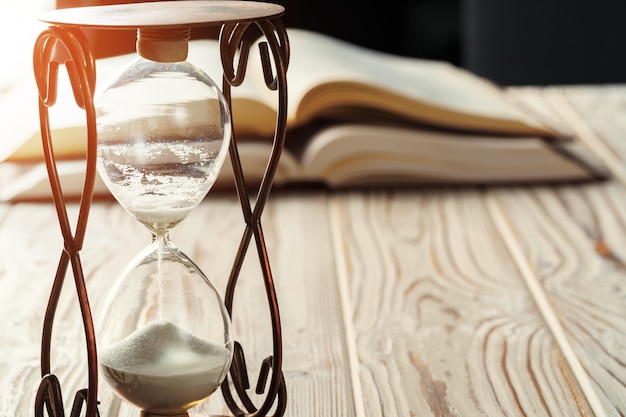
(356, 117)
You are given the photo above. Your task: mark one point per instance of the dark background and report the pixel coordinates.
(508, 41)
(511, 42)
(423, 28)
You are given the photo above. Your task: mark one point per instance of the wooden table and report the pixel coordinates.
(471, 302)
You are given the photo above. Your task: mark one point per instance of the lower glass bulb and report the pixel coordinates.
(164, 338)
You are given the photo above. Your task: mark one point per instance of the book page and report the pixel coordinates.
(28, 181)
(317, 59)
(355, 154)
(19, 114)
(19, 118)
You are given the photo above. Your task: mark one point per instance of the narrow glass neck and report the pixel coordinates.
(161, 237)
(164, 44)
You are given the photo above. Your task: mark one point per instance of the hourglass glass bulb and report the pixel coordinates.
(164, 338)
(163, 132)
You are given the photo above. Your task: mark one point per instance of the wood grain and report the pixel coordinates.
(594, 115)
(603, 110)
(574, 238)
(444, 323)
(296, 229)
(472, 302)
(297, 233)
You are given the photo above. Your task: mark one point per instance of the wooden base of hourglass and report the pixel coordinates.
(234, 19)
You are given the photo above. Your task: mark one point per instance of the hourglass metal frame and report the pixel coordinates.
(65, 31)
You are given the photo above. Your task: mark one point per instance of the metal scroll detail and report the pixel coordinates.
(233, 44)
(81, 69)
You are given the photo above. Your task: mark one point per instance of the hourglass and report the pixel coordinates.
(163, 133)
(159, 131)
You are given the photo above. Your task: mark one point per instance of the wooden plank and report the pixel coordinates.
(444, 322)
(31, 245)
(297, 233)
(593, 114)
(602, 109)
(574, 239)
(298, 236)
(20, 292)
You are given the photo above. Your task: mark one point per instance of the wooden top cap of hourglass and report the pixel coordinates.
(158, 14)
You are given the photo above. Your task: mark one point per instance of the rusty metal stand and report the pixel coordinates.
(236, 19)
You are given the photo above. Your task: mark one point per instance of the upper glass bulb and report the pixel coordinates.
(163, 131)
